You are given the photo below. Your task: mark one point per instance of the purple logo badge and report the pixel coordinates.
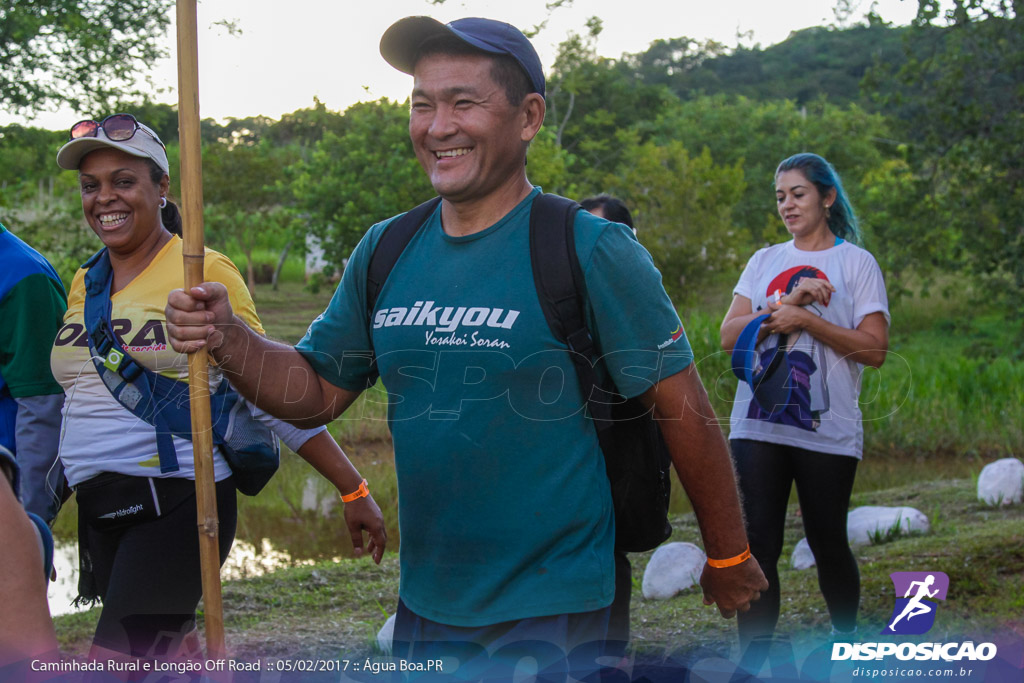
(914, 612)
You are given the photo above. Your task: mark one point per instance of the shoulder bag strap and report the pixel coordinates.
(392, 243)
(560, 286)
(127, 381)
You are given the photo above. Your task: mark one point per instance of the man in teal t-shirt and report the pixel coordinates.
(504, 507)
(32, 305)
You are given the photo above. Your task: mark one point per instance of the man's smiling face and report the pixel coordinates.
(467, 136)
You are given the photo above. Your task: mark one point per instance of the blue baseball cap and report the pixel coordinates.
(400, 44)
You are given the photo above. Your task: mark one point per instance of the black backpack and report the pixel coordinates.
(636, 458)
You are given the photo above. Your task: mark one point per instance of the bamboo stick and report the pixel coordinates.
(199, 387)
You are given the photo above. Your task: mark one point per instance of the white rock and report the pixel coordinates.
(674, 567)
(386, 635)
(1002, 482)
(864, 522)
(868, 520)
(802, 557)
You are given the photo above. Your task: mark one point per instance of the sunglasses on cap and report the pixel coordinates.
(117, 127)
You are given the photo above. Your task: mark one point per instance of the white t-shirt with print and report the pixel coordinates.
(824, 414)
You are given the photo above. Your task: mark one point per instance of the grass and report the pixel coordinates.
(334, 609)
(981, 549)
(896, 531)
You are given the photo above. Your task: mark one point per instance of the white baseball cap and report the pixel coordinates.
(142, 141)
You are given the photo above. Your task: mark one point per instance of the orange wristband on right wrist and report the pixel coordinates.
(362, 492)
(732, 561)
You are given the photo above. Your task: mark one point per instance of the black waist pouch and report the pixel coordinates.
(109, 503)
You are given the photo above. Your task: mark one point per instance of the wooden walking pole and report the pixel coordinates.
(199, 386)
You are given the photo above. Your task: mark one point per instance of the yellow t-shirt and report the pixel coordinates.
(98, 433)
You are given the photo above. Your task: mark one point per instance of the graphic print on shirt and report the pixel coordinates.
(447, 326)
(150, 337)
(808, 391)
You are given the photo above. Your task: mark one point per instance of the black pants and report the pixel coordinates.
(147, 572)
(824, 482)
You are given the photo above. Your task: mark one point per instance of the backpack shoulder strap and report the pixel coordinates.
(554, 260)
(392, 243)
(560, 287)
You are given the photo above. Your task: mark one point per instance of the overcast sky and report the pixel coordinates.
(289, 52)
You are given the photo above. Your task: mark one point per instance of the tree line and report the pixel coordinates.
(925, 123)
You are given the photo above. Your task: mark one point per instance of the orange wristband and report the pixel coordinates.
(363, 492)
(732, 561)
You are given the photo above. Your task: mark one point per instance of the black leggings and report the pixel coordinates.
(148, 574)
(824, 481)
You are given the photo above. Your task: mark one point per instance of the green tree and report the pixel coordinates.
(244, 205)
(590, 99)
(306, 127)
(966, 134)
(47, 214)
(548, 165)
(758, 135)
(83, 53)
(358, 177)
(683, 206)
(26, 158)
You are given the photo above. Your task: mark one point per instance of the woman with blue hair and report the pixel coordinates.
(820, 300)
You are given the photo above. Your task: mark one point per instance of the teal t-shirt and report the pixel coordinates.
(504, 506)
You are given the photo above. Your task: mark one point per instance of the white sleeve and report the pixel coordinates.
(869, 294)
(292, 437)
(745, 286)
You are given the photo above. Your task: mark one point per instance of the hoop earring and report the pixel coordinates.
(163, 202)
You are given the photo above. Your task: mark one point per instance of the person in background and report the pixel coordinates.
(828, 313)
(505, 512)
(610, 208)
(32, 305)
(137, 522)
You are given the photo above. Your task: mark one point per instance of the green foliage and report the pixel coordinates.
(357, 177)
(83, 53)
(48, 216)
(759, 135)
(23, 157)
(549, 164)
(683, 204)
(812, 63)
(590, 99)
(306, 127)
(967, 134)
(242, 205)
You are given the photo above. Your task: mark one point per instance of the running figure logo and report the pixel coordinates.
(914, 613)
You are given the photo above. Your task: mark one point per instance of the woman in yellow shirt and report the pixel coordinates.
(137, 523)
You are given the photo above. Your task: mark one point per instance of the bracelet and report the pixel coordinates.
(732, 561)
(363, 492)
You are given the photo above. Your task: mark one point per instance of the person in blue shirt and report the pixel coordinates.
(32, 305)
(505, 512)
